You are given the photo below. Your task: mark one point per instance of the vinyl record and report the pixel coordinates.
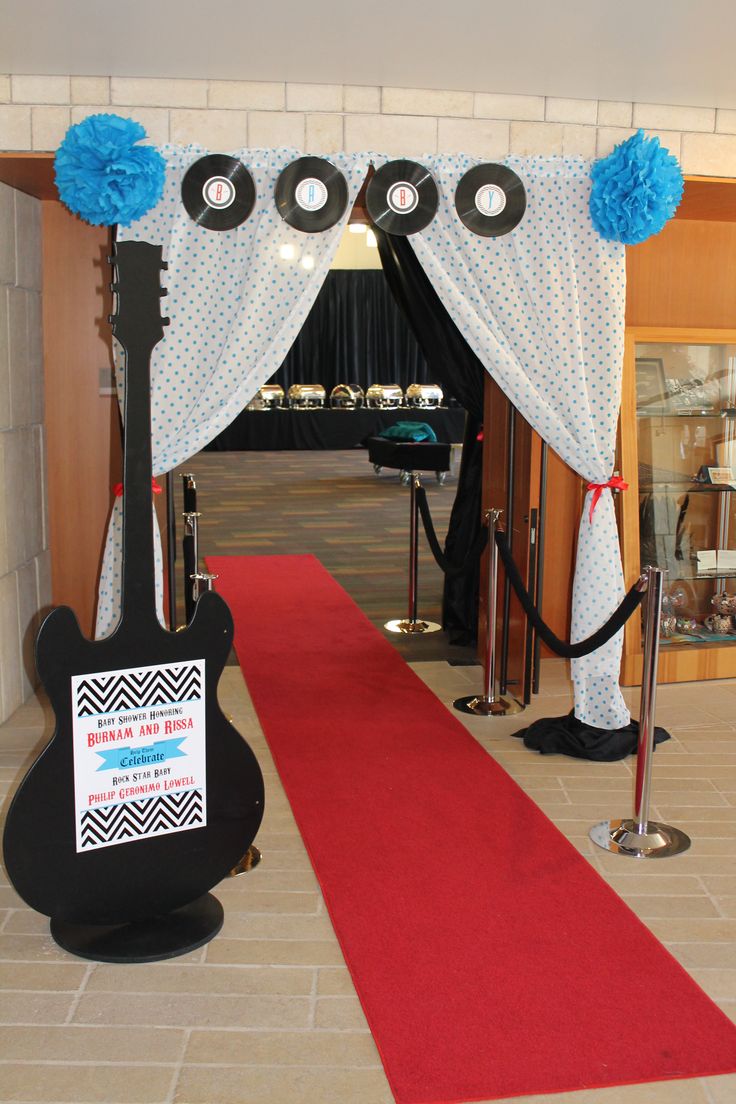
(311, 194)
(218, 192)
(402, 197)
(490, 200)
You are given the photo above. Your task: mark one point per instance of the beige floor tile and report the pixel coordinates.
(716, 955)
(228, 1085)
(278, 952)
(92, 1084)
(47, 976)
(34, 1007)
(82, 1043)
(340, 1049)
(172, 977)
(718, 984)
(340, 1013)
(722, 1090)
(200, 1009)
(671, 907)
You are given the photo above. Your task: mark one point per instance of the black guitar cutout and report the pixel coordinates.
(146, 796)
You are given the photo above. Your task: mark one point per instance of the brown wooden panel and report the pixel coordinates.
(83, 444)
(684, 276)
(496, 432)
(708, 198)
(565, 492)
(32, 173)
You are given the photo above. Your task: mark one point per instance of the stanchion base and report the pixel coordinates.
(482, 707)
(251, 858)
(621, 837)
(406, 625)
(153, 940)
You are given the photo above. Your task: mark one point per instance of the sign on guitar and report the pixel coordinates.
(139, 753)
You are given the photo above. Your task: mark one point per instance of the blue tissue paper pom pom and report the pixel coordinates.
(103, 177)
(636, 189)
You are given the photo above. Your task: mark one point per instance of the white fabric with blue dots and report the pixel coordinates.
(235, 307)
(542, 307)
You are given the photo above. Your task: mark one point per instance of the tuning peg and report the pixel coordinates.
(165, 321)
(114, 287)
(164, 266)
(112, 319)
(110, 260)
(163, 292)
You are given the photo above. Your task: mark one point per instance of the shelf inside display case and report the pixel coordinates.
(686, 449)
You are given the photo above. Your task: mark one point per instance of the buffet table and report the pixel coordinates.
(281, 429)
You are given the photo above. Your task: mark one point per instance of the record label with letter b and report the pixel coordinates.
(490, 200)
(402, 197)
(218, 192)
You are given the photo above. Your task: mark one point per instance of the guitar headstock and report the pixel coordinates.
(137, 285)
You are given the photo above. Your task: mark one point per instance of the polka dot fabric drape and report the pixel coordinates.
(543, 309)
(236, 304)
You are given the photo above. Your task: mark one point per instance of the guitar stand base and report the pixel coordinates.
(152, 940)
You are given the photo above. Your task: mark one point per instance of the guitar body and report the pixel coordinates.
(134, 878)
(146, 796)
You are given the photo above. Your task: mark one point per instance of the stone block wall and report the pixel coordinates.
(319, 118)
(25, 569)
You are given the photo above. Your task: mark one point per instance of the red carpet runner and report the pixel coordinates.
(490, 958)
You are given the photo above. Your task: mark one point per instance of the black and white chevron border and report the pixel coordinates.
(133, 689)
(132, 820)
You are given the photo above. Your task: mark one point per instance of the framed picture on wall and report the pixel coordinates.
(651, 387)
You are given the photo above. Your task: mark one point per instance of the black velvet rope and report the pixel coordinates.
(616, 621)
(474, 552)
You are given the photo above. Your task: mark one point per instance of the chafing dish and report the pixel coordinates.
(267, 397)
(384, 395)
(346, 396)
(303, 396)
(427, 395)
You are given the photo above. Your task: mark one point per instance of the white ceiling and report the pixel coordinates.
(650, 51)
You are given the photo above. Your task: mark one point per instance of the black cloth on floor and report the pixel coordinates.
(569, 736)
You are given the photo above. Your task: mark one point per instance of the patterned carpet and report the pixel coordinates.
(333, 505)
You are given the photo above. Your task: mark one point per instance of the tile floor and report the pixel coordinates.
(267, 1013)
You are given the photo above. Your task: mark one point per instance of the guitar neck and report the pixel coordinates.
(139, 327)
(139, 589)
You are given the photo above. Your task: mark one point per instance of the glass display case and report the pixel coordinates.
(679, 430)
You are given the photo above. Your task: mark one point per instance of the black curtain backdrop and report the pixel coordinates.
(354, 333)
(460, 374)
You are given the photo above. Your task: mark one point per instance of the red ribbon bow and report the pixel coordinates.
(615, 483)
(155, 487)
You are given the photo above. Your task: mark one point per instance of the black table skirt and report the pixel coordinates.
(276, 430)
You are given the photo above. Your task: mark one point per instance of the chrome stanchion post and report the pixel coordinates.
(411, 623)
(639, 837)
(488, 704)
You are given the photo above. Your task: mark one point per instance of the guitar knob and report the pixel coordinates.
(165, 321)
(112, 319)
(115, 287)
